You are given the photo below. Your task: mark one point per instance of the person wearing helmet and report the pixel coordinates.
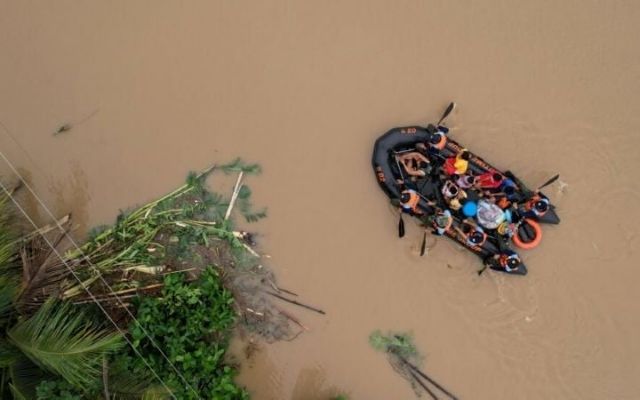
(438, 139)
(409, 200)
(508, 261)
(536, 207)
(472, 233)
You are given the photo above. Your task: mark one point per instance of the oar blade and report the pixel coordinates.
(446, 113)
(424, 244)
(549, 182)
(401, 226)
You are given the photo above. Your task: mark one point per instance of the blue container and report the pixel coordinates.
(470, 209)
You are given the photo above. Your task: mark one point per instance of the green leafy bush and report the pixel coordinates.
(57, 390)
(191, 322)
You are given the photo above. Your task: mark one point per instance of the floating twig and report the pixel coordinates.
(292, 318)
(250, 250)
(62, 129)
(279, 289)
(288, 292)
(297, 303)
(252, 311)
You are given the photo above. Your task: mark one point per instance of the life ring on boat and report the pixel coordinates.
(529, 234)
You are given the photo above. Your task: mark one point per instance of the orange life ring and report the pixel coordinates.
(533, 243)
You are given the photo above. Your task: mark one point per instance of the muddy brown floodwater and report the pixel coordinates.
(153, 89)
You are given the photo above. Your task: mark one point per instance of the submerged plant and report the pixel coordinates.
(400, 344)
(403, 355)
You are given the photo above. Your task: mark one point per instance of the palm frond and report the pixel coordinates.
(61, 339)
(8, 354)
(8, 253)
(25, 377)
(41, 265)
(7, 294)
(246, 207)
(125, 385)
(16, 393)
(238, 165)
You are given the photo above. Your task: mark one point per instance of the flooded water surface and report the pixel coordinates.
(153, 89)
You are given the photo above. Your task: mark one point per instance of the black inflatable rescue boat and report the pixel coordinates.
(455, 193)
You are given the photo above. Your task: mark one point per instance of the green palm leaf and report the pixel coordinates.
(7, 292)
(61, 339)
(25, 376)
(128, 385)
(8, 253)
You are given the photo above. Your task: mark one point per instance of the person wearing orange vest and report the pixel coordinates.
(472, 233)
(409, 200)
(536, 207)
(438, 139)
(508, 260)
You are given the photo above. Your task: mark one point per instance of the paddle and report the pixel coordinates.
(547, 183)
(401, 226)
(446, 113)
(424, 243)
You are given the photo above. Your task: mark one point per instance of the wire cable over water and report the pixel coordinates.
(110, 289)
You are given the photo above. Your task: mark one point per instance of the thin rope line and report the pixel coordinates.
(6, 191)
(66, 234)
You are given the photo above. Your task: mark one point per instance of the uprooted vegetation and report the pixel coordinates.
(404, 358)
(174, 274)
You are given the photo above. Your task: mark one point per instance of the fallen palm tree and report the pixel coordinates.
(186, 231)
(173, 274)
(403, 357)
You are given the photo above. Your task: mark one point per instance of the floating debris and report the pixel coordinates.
(62, 129)
(403, 357)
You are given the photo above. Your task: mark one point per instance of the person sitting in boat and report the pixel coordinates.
(438, 139)
(506, 229)
(409, 200)
(465, 181)
(453, 195)
(414, 163)
(537, 206)
(459, 164)
(442, 221)
(508, 260)
(472, 233)
(489, 180)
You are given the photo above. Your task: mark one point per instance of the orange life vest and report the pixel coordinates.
(531, 205)
(414, 199)
(442, 142)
